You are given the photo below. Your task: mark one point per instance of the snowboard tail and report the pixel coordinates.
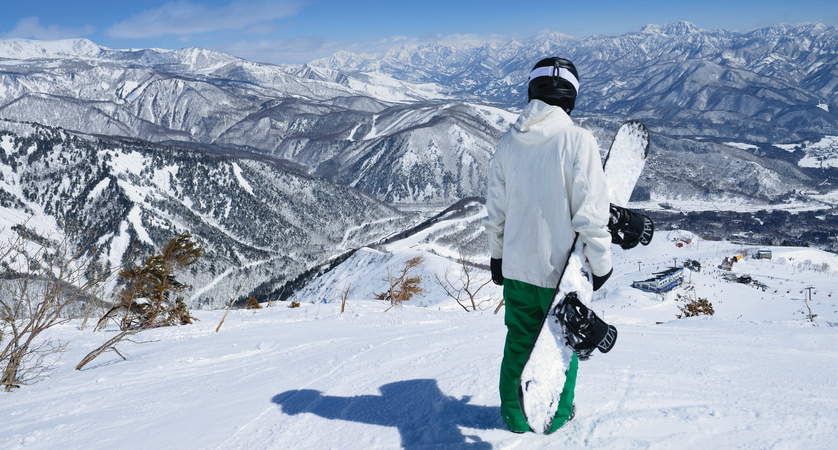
(570, 325)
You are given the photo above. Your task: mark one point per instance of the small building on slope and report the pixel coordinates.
(662, 282)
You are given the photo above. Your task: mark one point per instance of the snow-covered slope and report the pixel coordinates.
(757, 374)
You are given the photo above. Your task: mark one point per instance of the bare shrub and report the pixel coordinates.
(40, 280)
(694, 306)
(500, 305)
(344, 294)
(461, 286)
(252, 304)
(403, 287)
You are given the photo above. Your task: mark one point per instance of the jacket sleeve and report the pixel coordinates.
(496, 206)
(589, 202)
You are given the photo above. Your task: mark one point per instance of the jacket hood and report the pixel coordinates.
(539, 122)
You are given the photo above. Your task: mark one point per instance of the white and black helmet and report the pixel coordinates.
(555, 82)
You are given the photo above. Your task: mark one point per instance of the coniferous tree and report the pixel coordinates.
(150, 297)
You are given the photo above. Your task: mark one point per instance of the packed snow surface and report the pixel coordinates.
(757, 374)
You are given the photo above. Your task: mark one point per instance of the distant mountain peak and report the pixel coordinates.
(35, 49)
(782, 29)
(672, 29)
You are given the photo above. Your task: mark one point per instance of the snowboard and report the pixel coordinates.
(544, 372)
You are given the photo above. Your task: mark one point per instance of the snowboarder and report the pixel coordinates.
(546, 184)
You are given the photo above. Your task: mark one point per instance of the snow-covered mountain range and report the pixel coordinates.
(282, 167)
(721, 104)
(337, 125)
(261, 223)
(405, 126)
(769, 85)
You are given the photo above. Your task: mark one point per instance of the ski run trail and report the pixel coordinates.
(757, 375)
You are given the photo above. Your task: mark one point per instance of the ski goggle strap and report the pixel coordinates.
(553, 71)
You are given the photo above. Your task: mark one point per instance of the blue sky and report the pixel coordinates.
(294, 31)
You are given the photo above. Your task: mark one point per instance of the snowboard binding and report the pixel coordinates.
(629, 228)
(583, 329)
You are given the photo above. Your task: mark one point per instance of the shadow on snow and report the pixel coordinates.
(423, 415)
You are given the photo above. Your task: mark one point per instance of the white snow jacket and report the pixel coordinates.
(545, 185)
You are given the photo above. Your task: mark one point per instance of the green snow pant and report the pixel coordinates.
(526, 305)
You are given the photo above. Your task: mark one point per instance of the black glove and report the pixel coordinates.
(497, 271)
(599, 281)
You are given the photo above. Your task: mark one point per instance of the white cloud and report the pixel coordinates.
(185, 18)
(31, 28)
